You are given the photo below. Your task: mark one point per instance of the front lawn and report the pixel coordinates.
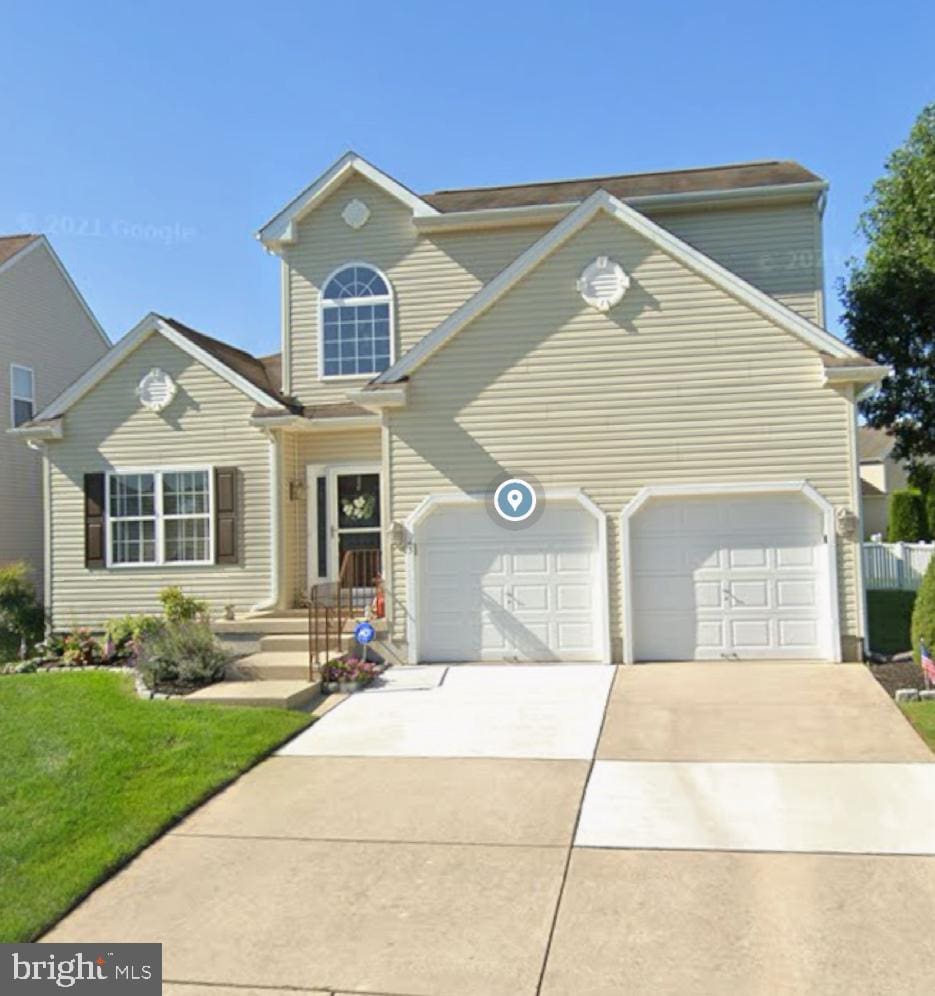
(89, 774)
(922, 717)
(889, 615)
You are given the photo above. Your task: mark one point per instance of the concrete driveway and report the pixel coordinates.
(517, 830)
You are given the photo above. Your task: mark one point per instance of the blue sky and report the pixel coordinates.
(150, 141)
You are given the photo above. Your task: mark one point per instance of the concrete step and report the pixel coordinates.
(261, 626)
(271, 666)
(278, 694)
(279, 643)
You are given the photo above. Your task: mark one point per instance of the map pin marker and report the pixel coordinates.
(514, 499)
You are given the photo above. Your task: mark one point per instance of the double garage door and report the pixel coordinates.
(720, 577)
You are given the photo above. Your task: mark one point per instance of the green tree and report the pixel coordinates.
(889, 298)
(923, 612)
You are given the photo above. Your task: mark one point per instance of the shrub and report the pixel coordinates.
(923, 614)
(907, 517)
(930, 511)
(124, 634)
(181, 655)
(180, 607)
(889, 620)
(80, 649)
(22, 619)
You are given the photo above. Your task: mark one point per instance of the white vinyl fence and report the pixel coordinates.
(896, 565)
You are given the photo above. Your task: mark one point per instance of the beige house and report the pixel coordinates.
(47, 335)
(642, 357)
(880, 476)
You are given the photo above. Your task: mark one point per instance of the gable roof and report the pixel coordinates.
(281, 227)
(10, 245)
(732, 176)
(238, 367)
(602, 201)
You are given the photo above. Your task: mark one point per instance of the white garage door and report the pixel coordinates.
(736, 577)
(487, 593)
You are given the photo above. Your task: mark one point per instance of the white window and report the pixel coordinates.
(157, 517)
(22, 394)
(356, 322)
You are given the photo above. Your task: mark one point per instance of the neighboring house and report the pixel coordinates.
(47, 336)
(880, 476)
(649, 349)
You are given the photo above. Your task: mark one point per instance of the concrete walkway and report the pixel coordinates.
(428, 839)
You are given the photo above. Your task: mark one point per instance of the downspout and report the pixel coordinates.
(42, 449)
(275, 525)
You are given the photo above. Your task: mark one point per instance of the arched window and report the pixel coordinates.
(356, 322)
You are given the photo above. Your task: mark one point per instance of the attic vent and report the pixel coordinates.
(355, 213)
(156, 390)
(603, 283)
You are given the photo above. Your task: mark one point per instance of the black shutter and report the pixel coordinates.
(225, 515)
(95, 488)
(321, 498)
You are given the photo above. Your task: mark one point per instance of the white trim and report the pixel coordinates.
(285, 330)
(14, 397)
(303, 424)
(530, 214)
(857, 374)
(857, 502)
(159, 517)
(431, 502)
(646, 494)
(275, 526)
(281, 227)
(389, 298)
(47, 602)
(378, 400)
(599, 201)
(152, 323)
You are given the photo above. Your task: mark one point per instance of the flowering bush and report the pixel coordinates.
(124, 635)
(80, 649)
(349, 669)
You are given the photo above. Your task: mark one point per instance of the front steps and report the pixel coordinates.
(272, 694)
(276, 675)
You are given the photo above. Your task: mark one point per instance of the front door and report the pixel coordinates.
(354, 518)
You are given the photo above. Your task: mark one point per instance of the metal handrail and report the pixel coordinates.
(332, 603)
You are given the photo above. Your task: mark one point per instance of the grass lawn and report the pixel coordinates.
(89, 774)
(889, 614)
(922, 717)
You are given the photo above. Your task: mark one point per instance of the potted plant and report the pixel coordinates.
(347, 674)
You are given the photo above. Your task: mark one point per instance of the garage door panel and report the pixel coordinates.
(750, 594)
(527, 595)
(796, 594)
(738, 576)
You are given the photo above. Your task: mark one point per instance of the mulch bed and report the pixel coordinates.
(898, 674)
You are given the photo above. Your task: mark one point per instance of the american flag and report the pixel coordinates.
(928, 665)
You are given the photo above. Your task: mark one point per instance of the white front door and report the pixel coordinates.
(730, 577)
(489, 594)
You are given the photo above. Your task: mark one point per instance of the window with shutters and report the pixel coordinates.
(160, 517)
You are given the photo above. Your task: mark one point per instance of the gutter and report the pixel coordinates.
(275, 526)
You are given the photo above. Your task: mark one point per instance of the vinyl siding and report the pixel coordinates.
(777, 249)
(206, 425)
(320, 449)
(680, 383)
(430, 277)
(45, 327)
